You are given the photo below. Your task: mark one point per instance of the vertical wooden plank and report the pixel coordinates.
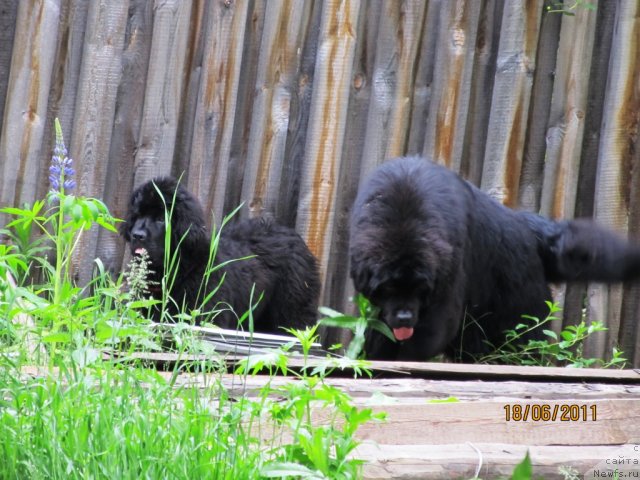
(575, 297)
(327, 121)
(216, 106)
(244, 106)
(339, 288)
(550, 174)
(392, 79)
(26, 101)
(300, 112)
(404, 21)
(126, 126)
(510, 101)
(616, 155)
(629, 334)
(8, 21)
(537, 135)
(189, 94)
(423, 84)
(94, 112)
(567, 116)
(162, 94)
(277, 68)
(452, 82)
(484, 72)
(64, 84)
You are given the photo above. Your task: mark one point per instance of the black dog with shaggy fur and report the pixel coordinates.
(281, 266)
(451, 269)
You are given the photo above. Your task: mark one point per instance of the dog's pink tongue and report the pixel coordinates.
(402, 333)
(140, 251)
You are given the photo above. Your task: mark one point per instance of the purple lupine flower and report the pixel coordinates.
(61, 171)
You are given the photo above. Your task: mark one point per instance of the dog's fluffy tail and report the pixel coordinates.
(583, 250)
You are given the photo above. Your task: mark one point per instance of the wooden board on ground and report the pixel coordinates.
(437, 370)
(469, 420)
(494, 460)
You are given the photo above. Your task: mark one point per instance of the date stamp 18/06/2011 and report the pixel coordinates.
(540, 412)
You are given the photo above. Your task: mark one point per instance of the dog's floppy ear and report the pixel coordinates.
(365, 280)
(187, 220)
(124, 229)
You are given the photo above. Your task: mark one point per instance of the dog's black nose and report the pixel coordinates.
(139, 234)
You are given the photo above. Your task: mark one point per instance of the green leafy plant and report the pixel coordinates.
(563, 349)
(46, 235)
(316, 450)
(367, 319)
(88, 416)
(524, 470)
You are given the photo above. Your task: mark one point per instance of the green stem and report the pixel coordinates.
(60, 248)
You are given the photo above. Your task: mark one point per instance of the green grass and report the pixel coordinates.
(564, 349)
(86, 416)
(107, 423)
(110, 421)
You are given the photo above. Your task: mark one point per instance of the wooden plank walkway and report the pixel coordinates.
(459, 421)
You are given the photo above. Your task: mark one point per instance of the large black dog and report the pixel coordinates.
(451, 269)
(280, 266)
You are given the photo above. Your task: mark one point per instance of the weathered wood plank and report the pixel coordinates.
(551, 171)
(387, 126)
(64, 84)
(216, 104)
(511, 372)
(449, 105)
(616, 422)
(567, 116)
(126, 127)
(277, 68)
(537, 136)
(163, 91)
(8, 21)
(325, 134)
(491, 460)
(192, 77)
(244, 108)
(617, 154)
(510, 101)
(100, 76)
(339, 287)
(437, 370)
(413, 389)
(27, 96)
(628, 334)
(300, 110)
(574, 300)
(423, 83)
(393, 73)
(484, 72)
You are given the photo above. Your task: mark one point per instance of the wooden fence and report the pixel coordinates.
(285, 104)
